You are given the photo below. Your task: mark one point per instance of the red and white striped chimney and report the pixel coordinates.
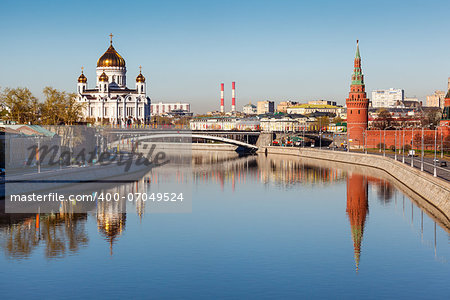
(222, 101)
(233, 96)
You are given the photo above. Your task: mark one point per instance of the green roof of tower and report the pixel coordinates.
(357, 50)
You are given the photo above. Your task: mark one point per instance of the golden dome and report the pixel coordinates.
(140, 78)
(103, 77)
(82, 78)
(111, 59)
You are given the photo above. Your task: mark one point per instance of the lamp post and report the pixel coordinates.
(435, 150)
(348, 145)
(395, 145)
(403, 146)
(412, 147)
(380, 140)
(320, 139)
(38, 155)
(303, 140)
(442, 145)
(334, 145)
(384, 142)
(422, 154)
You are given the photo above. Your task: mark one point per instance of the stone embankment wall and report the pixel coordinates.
(435, 191)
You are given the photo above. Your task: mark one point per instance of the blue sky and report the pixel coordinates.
(278, 50)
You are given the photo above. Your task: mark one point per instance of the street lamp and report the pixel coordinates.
(395, 145)
(403, 146)
(435, 150)
(320, 139)
(422, 154)
(412, 147)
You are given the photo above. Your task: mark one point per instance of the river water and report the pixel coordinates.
(260, 227)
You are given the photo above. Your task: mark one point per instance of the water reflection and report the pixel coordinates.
(111, 220)
(60, 234)
(65, 233)
(357, 210)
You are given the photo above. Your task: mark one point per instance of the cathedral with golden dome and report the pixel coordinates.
(111, 101)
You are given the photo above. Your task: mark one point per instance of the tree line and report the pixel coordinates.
(21, 106)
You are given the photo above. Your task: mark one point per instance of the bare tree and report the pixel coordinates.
(23, 106)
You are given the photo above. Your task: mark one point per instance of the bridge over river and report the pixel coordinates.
(247, 140)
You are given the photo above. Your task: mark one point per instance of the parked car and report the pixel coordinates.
(2, 172)
(443, 163)
(412, 153)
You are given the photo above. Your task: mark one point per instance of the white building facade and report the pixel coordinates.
(387, 98)
(265, 107)
(224, 123)
(162, 108)
(284, 123)
(111, 101)
(249, 109)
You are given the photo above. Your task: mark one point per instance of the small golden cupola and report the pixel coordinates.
(140, 77)
(111, 58)
(103, 77)
(82, 78)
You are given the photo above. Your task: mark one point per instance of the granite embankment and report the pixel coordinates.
(433, 190)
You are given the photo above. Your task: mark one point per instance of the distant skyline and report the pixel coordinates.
(274, 50)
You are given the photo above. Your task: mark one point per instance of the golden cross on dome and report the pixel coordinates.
(82, 68)
(140, 69)
(110, 38)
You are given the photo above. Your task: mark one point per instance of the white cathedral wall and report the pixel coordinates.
(115, 74)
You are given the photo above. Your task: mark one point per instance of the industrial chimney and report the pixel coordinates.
(222, 102)
(233, 97)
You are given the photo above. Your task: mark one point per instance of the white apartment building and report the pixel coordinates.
(265, 107)
(437, 99)
(284, 123)
(387, 98)
(224, 123)
(162, 108)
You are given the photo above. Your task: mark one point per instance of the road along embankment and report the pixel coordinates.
(435, 191)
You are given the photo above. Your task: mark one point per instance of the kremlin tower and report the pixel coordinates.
(357, 209)
(357, 106)
(445, 121)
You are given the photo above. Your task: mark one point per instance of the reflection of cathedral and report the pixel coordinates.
(357, 209)
(111, 100)
(111, 219)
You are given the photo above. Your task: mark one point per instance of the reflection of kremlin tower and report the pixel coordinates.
(357, 209)
(111, 219)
